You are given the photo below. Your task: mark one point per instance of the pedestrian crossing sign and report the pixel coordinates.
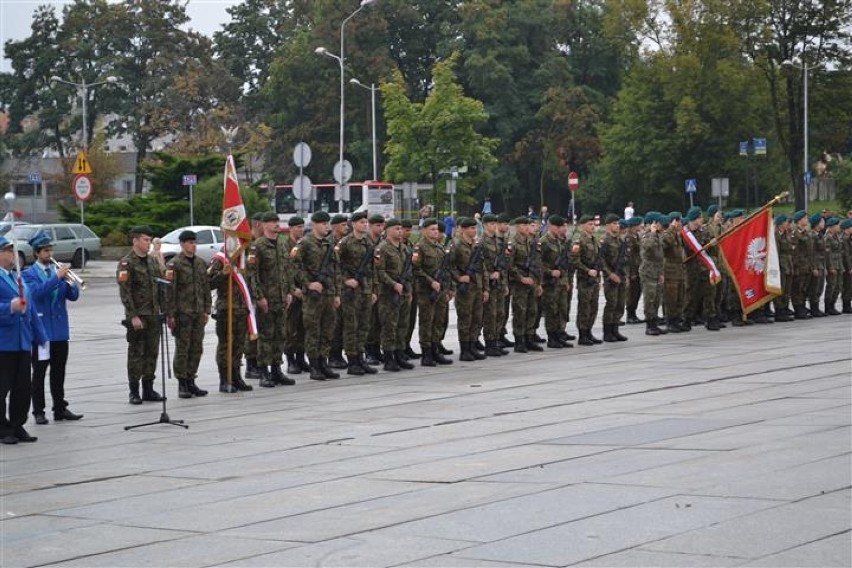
(81, 164)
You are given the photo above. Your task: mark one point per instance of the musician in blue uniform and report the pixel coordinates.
(50, 291)
(20, 331)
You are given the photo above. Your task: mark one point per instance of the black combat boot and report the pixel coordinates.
(444, 350)
(336, 360)
(537, 338)
(279, 377)
(492, 350)
(390, 362)
(302, 362)
(354, 367)
(183, 388)
(426, 359)
(533, 343)
(148, 392)
(673, 326)
(478, 354)
(362, 360)
(847, 306)
(651, 328)
(237, 381)
(326, 370)
(632, 317)
(713, 324)
(553, 341)
(134, 393)
(831, 310)
(478, 346)
(438, 356)
(608, 335)
(411, 354)
(266, 380)
(402, 361)
(252, 371)
(521, 344)
(465, 354)
(372, 355)
(505, 341)
(293, 367)
(816, 312)
(316, 370)
(193, 388)
(617, 334)
(594, 339)
(223, 382)
(585, 337)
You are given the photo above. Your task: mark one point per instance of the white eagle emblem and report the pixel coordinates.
(755, 260)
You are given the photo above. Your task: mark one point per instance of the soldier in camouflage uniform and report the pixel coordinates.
(407, 228)
(270, 284)
(219, 275)
(503, 233)
(339, 229)
(315, 257)
(721, 291)
(634, 285)
(466, 268)
(355, 254)
(802, 268)
(833, 265)
(652, 270)
(294, 342)
(674, 275)
(137, 276)
(555, 262)
(524, 270)
(494, 263)
(442, 314)
(431, 272)
(187, 311)
(846, 240)
(374, 328)
(613, 260)
(566, 290)
(818, 261)
(784, 244)
(588, 280)
(252, 368)
(392, 284)
(701, 295)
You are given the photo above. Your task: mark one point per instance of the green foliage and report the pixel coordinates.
(841, 170)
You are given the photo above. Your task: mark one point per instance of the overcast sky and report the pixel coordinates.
(16, 16)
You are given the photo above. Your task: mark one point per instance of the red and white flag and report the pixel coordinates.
(751, 258)
(714, 275)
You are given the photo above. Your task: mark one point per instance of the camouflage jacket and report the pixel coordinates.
(354, 253)
(673, 250)
(219, 282)
(137, 285)
(460, 262)
(316, 258)
(390, 262)
(189, 292)
(588, 258)
(268, 271)
(653, 256)
(613, 247)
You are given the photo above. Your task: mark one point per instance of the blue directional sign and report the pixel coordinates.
(691, 186)
(744, 148)
(808, 177)
(35, 178)
(759, 146)
(190, 179)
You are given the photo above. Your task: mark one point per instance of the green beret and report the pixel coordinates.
(187, 236)
(503, 218)
(257, 216)
(338, 219)
(622, 223)
(406, 223)
(585, 219)
(693, 213)
(712, 210)
(522, 220)
(376, 218)
(610, 218)
(429, 222)
(556, 220)
(832, 221)
(269, 217)
(295, 221)
(392, 223)
(467, 222)
(675, 216)
(141, 230)
(634, 221)
(736, 213)
(665, 220)
(320, 217)
(781, 218)
(798, 215)
(652, 217)
(489, 218)
(845, 224)
(358, 216)
(815, 219)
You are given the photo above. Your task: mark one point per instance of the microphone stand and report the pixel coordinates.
(165, 367)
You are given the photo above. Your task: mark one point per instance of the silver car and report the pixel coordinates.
(210, 240)
(72, 242)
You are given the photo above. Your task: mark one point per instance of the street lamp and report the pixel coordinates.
(372, 88)
(804, 68)
(83, 92)
(341, 60)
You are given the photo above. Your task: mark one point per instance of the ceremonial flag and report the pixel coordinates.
(751, 258)
(235, 223)
(697, 250)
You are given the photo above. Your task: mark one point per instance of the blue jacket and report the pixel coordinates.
(50, 295)
(18, 332)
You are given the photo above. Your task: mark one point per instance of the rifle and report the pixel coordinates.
(324, 274)
(501, 261)
(472, 266)
(361, 271)
(404, 277)
(529, 265)
(442, 274)
(563, 261)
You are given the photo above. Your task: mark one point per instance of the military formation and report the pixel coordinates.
(345, 296)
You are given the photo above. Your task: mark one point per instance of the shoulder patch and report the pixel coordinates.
(122, 276)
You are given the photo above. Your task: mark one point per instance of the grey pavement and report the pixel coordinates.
(699, 449)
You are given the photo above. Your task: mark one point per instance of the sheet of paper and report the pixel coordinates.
(44, 351)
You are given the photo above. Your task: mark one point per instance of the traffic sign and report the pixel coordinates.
(808, 177)
(35, 178)
(190, 179)
(81, 164)
(302, 155)
(759, 146)
(744, 148)
(691, 185)
(347, 172)
(82, 187)
(573, 181)
(302, 187)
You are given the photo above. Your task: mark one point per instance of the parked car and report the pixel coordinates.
(210, 240)
(69, 240)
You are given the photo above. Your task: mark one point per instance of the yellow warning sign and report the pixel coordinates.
(81, 164)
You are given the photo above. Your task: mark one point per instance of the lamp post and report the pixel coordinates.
(83, 92)
(804, 68)
(372, 88)
(341, 60)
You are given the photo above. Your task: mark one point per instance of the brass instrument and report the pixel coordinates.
(71, 279)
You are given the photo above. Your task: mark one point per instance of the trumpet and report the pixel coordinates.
(71, 279)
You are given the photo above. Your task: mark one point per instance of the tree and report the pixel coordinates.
(425, 138)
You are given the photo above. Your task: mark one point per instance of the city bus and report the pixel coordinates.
(374, 196)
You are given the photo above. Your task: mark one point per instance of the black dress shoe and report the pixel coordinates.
(64, 414)
(23, 436)
(40, 418)
(8, 439)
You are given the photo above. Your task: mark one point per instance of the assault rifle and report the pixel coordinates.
(325, 274)
(530, 266)
(442, 275)
(361, 271)
(473, 266)
(404, 277)
(501, 261)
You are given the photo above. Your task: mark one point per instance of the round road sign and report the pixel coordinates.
(302, 187)
(573, 181)
(82, 187)
(347, 171)
(302, 155)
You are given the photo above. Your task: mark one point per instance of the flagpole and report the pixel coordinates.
(716, 240)
(230, 327)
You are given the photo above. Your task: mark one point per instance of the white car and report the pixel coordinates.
(210, 240)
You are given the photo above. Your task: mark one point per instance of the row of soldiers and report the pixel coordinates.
(355, 287)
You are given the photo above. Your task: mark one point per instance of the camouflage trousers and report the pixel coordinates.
(554, 306)
(493, 313)
(799, 288)
(587, 301)
(651, 292)
(239, 331)
(674, 296)
(442, 316)
(189, 344)
(700, 295)
(271, 327)
(524, 309)
(781, 302)
(394, 312)
(846, 295)
(250, 348)
(143, 347)
(615, 296)
(294, 339)
(318, 315)
(832, 287)
(469, 314)
(634, 291)
(355, 311)
(429, 321)
(815, 289)
(374, 324)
